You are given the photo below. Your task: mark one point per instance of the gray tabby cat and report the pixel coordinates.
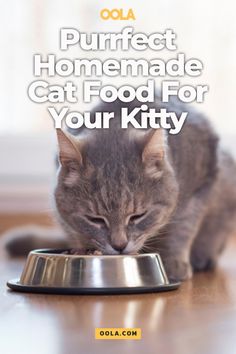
(127, 191)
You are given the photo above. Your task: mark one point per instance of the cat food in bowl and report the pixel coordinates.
(76, 251)
(66, 272)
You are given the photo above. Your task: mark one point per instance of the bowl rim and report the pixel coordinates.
(55, 253)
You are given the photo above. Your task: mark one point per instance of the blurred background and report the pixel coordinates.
(205, 30)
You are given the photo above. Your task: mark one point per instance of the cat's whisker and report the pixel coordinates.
(149, 249)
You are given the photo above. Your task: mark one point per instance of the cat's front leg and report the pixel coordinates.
(175, 243)
(177, 268)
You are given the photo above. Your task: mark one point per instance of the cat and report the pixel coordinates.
(127, 191)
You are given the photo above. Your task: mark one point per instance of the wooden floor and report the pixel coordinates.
(198, 318)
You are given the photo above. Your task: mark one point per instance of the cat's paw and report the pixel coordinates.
(178, 270)
(203, 263)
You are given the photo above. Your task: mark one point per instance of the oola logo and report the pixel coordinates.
(117, 14)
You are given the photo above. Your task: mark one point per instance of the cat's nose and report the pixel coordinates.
(119, 246)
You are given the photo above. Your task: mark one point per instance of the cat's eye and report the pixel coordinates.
(97, 220)
(136, 217)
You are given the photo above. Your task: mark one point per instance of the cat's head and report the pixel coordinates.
(116, 189)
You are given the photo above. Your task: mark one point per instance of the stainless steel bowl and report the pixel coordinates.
(51, 271)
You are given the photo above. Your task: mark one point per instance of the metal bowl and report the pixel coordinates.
(51, 271)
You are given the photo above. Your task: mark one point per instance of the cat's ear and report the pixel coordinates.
(154, 152)
(68, 148)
